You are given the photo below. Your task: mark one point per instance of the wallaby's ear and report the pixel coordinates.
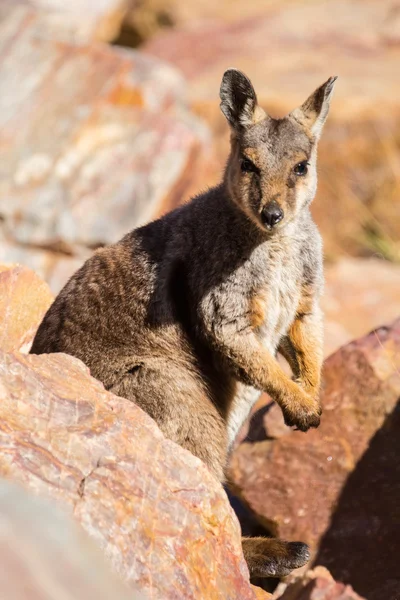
(312, 114)
(239, 100)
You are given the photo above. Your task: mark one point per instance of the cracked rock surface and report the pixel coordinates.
(24, 299)
(317, 584)
(42, 550)
(108, 140)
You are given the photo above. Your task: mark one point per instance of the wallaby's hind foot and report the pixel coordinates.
(269, 557)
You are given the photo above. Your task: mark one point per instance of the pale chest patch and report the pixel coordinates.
(273, 307)
(244, 400)
(279, 304)
(276, 298)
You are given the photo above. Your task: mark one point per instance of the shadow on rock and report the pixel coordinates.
(362, 544)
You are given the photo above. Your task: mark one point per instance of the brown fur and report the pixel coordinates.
(184, 315)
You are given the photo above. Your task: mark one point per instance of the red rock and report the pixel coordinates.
(316, 585)
(273, 422)
(54, 267)
(260, 594)
(156, 511)
(80, 20)
(360, 295)
(108, 143)
(194, 11)
(24, 299)
(337, 487)
(44, 554)
(293, 32)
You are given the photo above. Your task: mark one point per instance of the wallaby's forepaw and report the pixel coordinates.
(302, 418)
(302, 411)
(269, 557)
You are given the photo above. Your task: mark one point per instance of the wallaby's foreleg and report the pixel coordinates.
(270, 557)
(303, 349)
(255, 366)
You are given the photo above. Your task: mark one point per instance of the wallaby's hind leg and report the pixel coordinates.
(265, 556)
(178, 403)
(269, 557)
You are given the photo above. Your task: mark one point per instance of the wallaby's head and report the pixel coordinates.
(271, 171)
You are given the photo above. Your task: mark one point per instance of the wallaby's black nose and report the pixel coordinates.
(272, 214)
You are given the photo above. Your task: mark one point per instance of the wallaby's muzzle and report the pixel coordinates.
(271, 214)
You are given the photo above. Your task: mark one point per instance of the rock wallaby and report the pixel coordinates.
(184, 316)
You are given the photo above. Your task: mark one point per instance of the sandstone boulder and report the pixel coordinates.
(24, 299)
(80, 20)
(94, 140)
(315, 585)
(360, 295)
(288, 49)
(337, 487)
(260, 594)
(46, 556)
(155, 510)
(55, 268)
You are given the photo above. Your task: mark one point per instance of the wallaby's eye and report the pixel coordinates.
(301, 168)
(247, 166)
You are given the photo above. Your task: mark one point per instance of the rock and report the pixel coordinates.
(181, 14)
(111, 147)
(24, 299)
(360, 295)
(146, 19)
(264, 422)
(80, 20)
(362, 542)
(160, 517)
(288, 50)
(295, 30)
(260, 594)
(316, 585)
(337, 487)
(273, 422)
(44, 551)
(54, 267)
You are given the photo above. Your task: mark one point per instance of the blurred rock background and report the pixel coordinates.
(109, 116)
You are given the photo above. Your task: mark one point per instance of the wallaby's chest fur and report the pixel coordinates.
(277, 288)
(274, 301)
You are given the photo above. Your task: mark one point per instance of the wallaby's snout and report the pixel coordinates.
(271, 172)
(272, 214)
